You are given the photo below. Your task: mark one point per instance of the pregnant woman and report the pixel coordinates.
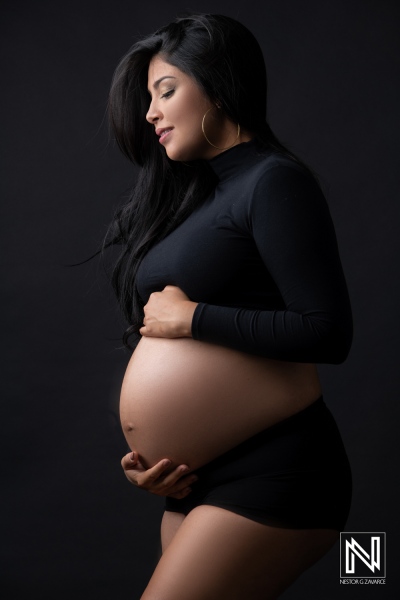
(230, 277)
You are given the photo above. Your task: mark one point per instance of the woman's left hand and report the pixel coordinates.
(168, 314)
(158, 479)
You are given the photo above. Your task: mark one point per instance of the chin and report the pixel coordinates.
(183, 154)
(177, 155)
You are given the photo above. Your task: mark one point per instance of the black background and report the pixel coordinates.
(71, 526)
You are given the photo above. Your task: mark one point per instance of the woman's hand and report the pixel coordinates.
(174, 484)
(168, 314)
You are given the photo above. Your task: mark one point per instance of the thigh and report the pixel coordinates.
(170, 524)
(219, 555)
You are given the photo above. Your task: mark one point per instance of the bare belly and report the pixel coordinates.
(191, 401)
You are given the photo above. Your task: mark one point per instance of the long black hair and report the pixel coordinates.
(227, 63)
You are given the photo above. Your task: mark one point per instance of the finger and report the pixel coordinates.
(149, 476)
(180, 486)
(148, 330)
(154, 331)
(129, 460)
(164, 485)
(173, 483)
(160, 488)
(177, 476)
(143, 324)
(181, 495)
(131, 476)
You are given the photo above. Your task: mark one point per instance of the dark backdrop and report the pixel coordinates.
(72, 527)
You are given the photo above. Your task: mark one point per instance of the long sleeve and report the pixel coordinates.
(290, 223)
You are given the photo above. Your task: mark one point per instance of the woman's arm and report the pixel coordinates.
(289, 220)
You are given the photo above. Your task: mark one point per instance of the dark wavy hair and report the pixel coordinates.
(227, 63)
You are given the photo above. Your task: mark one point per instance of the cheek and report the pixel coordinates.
(192, 135)
(188, 142)
(192, 110)
(188, 133)
(190, 118)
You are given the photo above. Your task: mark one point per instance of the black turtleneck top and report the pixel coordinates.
(260, 257)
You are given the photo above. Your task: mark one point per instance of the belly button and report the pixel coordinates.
(129, 427)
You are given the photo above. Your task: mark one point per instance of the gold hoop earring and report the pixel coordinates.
(205, 135)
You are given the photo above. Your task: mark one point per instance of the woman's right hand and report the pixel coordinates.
(157, 480)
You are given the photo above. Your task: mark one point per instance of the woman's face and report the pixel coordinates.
(176, 110)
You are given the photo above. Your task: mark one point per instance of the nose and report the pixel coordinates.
(153, 114)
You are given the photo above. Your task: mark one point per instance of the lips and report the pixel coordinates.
(163, 132)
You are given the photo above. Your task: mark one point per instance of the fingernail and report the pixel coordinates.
(184, 469)
(193, 479)
(166, 463)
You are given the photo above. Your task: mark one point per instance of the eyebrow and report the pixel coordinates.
(157, 83)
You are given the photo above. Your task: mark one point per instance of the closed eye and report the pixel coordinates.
(168, 94)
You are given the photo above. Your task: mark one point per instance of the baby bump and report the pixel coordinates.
(191, 401)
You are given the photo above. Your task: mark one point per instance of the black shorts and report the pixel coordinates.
(295, 474)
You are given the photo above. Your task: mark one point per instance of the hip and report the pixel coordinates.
(294, 474)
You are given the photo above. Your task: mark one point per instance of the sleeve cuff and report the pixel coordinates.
(196, 321)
